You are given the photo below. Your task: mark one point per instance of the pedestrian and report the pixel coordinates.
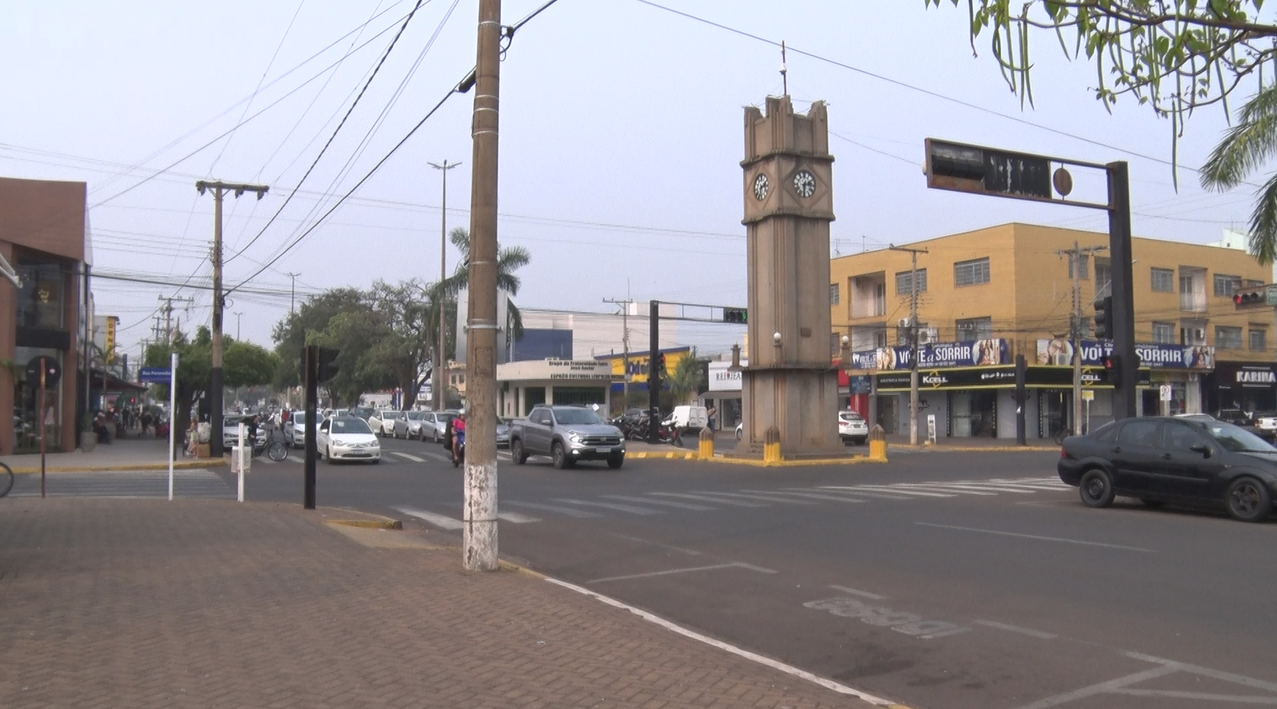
(458, 434)
(147, 419)
(709, 416)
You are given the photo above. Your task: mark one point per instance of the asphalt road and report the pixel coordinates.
(958, 580)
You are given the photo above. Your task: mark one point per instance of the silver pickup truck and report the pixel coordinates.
(566, 434)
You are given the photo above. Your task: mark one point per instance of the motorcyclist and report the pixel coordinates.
(458, 435)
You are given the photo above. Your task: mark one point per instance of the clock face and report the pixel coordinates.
(760, 187)
(804, 184)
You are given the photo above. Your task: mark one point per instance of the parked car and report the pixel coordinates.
(1237, 417)
(382, 421)
(295, 429)
(693, 417)
(740, 430)
(408, 424)
(566, 434)
(347, 438)
(1266, 425)
(852, 428)
(1173, 459)
(436, 425)
(503, 433)
(230, 430)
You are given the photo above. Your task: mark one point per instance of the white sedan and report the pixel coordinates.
(382, 421)
(347, 438)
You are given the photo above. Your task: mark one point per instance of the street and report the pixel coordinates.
(958, 580)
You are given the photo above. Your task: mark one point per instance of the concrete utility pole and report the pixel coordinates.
(625, 343)
(1076, 256)
(238, 314)
(168, 314)
(292, 292)
(440, 355)
(219, 188)
(479, 541)
(913, 339)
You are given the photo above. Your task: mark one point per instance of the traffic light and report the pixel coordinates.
(327, 367)
(660, 364)
(1104, 318)
(736, 315)
(1249, 297)
(1113, 369)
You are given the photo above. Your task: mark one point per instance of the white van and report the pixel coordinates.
(688, 417)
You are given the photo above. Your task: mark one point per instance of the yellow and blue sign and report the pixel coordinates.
(639, 363)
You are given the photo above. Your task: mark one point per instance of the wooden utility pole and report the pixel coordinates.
(440, 356)
(479, 542)
(1076, 326)
(219, 188)
(625, 343)
(913, 339)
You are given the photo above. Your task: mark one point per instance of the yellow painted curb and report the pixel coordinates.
(664, 456)
(510, 566)
(183, 465)
(975, 449)
(367, 523)
(796, 463)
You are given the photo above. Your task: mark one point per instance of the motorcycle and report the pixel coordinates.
(460, 457)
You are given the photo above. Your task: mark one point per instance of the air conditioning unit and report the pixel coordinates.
(928, 335)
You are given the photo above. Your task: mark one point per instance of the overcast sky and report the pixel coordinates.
(621, 136)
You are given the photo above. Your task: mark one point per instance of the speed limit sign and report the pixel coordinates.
(1165, 392)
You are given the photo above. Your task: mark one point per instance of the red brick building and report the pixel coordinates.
(43, 228)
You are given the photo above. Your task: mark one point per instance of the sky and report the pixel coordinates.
(621, 136)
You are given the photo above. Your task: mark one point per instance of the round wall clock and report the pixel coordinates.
(804, 184)
(760, 187)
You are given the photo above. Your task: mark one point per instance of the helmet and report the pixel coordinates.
(462, 412)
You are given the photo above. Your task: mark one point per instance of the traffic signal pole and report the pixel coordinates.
(653, 373)
(310, 355)
(1119, 191)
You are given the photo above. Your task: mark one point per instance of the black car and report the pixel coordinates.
(1237, 417)
(1160, 460)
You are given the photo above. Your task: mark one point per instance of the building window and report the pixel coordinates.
(1103, 278)
(970, 273)
(1228, 338)
(1258, 337)
(1163, 280)
(40, 298)
(904, 282)
(1082, 258)
(1164, 333)
(1226, 286)
(833, 294)
(974, 329)
(1251, 283)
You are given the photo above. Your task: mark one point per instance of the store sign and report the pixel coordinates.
(1002, 377)
(1059, 351)
(970, 353)
(1254, 376)
(721, 378)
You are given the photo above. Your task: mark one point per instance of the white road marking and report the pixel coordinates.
(690, 552)
(1101, 688)
(440, 457)
(553, 508)
(516, 518)
(1038, 537)
(1016, 629)
(753, 657)
(810, 495)
(409, 456)
(764, 498)
(432, 518)
(854, 592)
(611, 506)
(728, 565)
(664, 503)
(886, 488)
(942, 487)
(875, 495)
(296, 459)
(703, 498)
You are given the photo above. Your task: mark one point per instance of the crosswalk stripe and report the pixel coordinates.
(764, 498)
(296, 459)
(582, 514)
(409, 456)
(704, 498)
(998, 487)
(663, 503)
(516, 518)
(432, 518)
(611, 506)
(887, 488)
(811, 495)
(943, 487)
(857, 493)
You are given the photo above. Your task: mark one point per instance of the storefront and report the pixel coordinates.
(1249, 386)
(723, 392)
(522, 385)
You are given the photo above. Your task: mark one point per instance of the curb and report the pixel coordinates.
(180, 465)
(974, 449)
(390, 524)
(858, 460)
(666, 456)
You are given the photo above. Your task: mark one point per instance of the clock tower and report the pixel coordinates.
(790, 383)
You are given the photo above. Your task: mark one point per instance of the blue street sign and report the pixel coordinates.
(154, 375)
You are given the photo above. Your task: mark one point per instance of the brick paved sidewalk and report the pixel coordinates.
(138, 603)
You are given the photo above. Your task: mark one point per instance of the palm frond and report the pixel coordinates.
(1246, 145)
(1263, 224)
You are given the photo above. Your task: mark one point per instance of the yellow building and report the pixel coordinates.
(988, 295)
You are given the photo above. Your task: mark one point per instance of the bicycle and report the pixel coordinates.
(271, 446)
(6, 479)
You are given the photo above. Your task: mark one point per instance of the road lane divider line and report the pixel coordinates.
(667, 572)
(437, 520)
(858, 493)
(764, 498)
(516, 518)
(862, 594)
(941, 487)
(689, 552)
(663, 503)
(296, 459)
(810, 496)
(704, 498)
(739, 652)
(570, 512)
(409, 456)
(1016, 629)
(892, 489)
(610, 506)
(1037, 537)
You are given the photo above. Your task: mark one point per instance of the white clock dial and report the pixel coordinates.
(760, 187)
(804, 184)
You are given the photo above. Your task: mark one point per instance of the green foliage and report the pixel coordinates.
(509, 260)
(686, 378)
(243, 364)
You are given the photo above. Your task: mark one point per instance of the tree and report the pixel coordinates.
(509, 260)
(243, 364)
(1174, 56)
(412, 328)
(686, 378)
